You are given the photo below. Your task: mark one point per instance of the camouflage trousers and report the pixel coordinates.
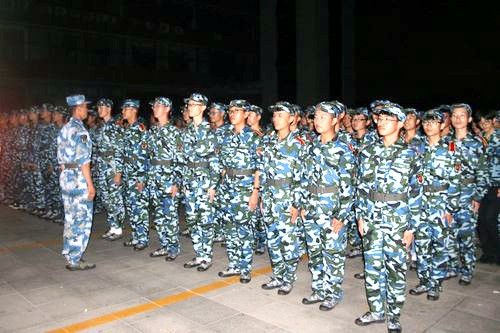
(353, 233)
(136, 204)
(385, 271)
(53, 192)
(200, 222)
(112, 198)
(218, 215)
(165, 215)
(259, 228)
(461, 242)
(326, 251)
(430, 246)
(238, 229)
(282, 240)
(77, 215)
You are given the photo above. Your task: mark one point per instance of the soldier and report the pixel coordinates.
(46, 130)
(447, 130)
(410, 131)
(199, 182)
(110, 169)
(135, 169)
(253, 120)
(327, 184)
(164, 179)
(490, 205)
(440, 199)
(474, 183)
(240, 187)
(359, 140)
(74, 153)
(280, 190)
(217, 114)
(387, 210)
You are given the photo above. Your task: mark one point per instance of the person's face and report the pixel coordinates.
(237, 116)
(388, 125)
(195, 109)
(359, 122)
(103, 111)
(253, 118)
(185, 115)
(432, 127)
(323, 121)
(91, 120)
(23, 119)
(215, 115)
(33, 116)
(486, 124)
(160, 110)
(446, 119)
(303, 121)
(46, 115)
(346, 121)
(128, 112)
(57, 118)
(281, 120)
(410, 122)
(460, 118)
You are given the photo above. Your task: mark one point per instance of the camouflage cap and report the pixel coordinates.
(256, 109)
(75, 100)
(379, 102)
(92, 112)
(34, 109)
(395, 111)
(105, 102)
(340, 106)
(331, 107)
(61, 109)
(239, 103)
(131, 103)
(461, 105)
(199, 98)
(297, 109)
(414, 111)
(433, 114)
(162, 101)
(282, 106)
(361, 111)
(444, 108)
(219, 106)
(48, 107)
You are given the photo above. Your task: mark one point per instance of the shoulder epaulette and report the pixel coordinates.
(483, 141)
(142, 127)
(299, 139)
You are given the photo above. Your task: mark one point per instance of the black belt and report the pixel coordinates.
(279, 182)
(161, 162)
(384, 197)
(231, 172)
(432, 189)
(198, 164)
(322, 190)
(71, 166)
(469, 181)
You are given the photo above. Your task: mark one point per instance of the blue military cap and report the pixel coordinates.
(34, 109)
(332, 108)
(433, 114)
(340, 106)
(162, 101)
(408, 111)
(48, 107)
(199, 98)
(362, 111)
(75, 100)
(461, 105)
(219, 106)
(61, 109)
(282, 106)
(131, 103)
(239, 103)
(93, 112)
(395, 111)
(379, 102)
(256, 109)
(105, 102)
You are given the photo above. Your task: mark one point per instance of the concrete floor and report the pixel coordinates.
(38, 294)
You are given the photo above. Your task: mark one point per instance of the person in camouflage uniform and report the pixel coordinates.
(3, 156)
(387, 211)
(216, 114)
(200, 176)
(238, 161)
(474, 181)
(14, 159)
(74, 153)
(135, 171)
(22, 146)
(280, 189)
(46, 129)
(164, 179)
(327, 186)
(440, 199)
(109, 165)
(489, 211)
(93, 126)
(253, 121)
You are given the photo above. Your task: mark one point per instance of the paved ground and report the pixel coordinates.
(130, 292)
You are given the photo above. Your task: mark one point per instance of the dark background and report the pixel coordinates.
(418, 54)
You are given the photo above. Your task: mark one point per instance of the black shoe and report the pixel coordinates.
(140, 247)
(245, 278)
(129, 243)
(419, 290)
(369, 318)
(393, 326)
(433, 294)
(80, 266)
(464, 281)
(314, 298)
(360, 276)
(204, 265)
(170, 257)
(159, 252)
(259, 252)
(192, 263)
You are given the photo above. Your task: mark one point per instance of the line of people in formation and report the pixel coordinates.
(385, 179)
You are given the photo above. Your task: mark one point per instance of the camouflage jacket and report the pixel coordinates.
(108, 151)
(135, 152)
(73, 144)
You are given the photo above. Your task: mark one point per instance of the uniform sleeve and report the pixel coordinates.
(118, 143)
(482, 175)
(296, 189)
(453, 203)
(142, 159)
(83, 146)
(415, 193)
(346, 190)
(177, 158)
(363, 175)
